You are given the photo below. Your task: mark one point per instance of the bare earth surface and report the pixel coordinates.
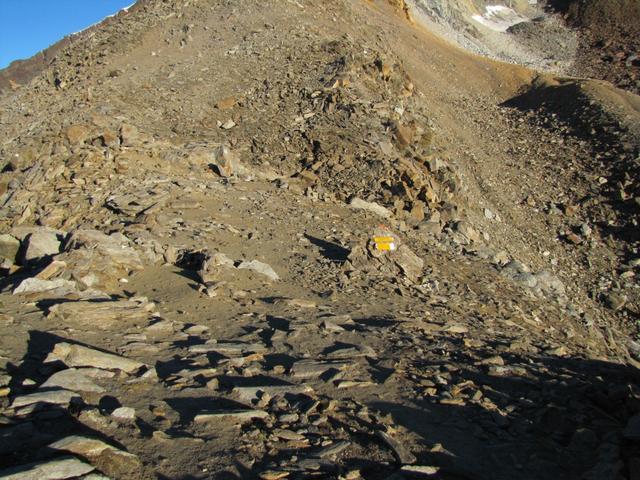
(196, 204)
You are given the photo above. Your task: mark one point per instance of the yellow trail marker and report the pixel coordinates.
(384, 243)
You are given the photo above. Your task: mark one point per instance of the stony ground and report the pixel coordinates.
(312, 240)
(609, 39)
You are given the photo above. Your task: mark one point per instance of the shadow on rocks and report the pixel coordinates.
(329, 250)
(538, 417)
(27, 432)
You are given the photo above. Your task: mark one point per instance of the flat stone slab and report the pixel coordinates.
(229, 348)
(240, 416)
(372, 207)
(72, 379)
(102, 315)
(79, 445)
(352, 352)
(53, 397)
(420, 469)
(79, 356)
(307, 369)
(59, 469)
(109, 458)
(35, 285)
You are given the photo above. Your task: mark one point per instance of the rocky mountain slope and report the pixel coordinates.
(609, 36)
(297, 239)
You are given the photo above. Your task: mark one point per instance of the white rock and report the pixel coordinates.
(240, 416)
(372, 207)
(420, 469)
(124, 413)
(489, 214)
(260, 267)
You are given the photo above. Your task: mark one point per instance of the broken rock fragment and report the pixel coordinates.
(9, 247)
(79, 356)
(99, 260)
(248, 394)
(35, 285)
(130, 135)
(311, 369)
(124, 414)
(76, 134)
(58, 469)
(333, 449)
(229, 349)
(403, 455)
(238, 416)
(210, 269)
(422, 470)
(72, 379)
(50, 397)
(102, 315)
(260, 267)
(225, 161)
(410, 263)
(40, 244)
(108, 459)
(372, 207)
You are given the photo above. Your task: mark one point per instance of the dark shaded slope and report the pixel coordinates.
(609, 39)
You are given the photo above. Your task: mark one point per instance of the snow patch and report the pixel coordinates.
(499, 18)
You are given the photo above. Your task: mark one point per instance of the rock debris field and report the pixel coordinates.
(298, 239)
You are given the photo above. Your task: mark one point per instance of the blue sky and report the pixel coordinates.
(28, 26)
